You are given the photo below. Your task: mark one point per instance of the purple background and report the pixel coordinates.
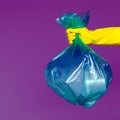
(29, 38)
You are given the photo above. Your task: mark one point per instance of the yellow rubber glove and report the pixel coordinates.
(103, 36)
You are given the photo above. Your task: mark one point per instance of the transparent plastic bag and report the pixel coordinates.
(78, 74)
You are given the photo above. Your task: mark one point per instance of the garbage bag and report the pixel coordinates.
(78, 74)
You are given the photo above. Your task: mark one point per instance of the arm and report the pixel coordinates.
(103, 36)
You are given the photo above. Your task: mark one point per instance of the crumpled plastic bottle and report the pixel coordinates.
(78, 74)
